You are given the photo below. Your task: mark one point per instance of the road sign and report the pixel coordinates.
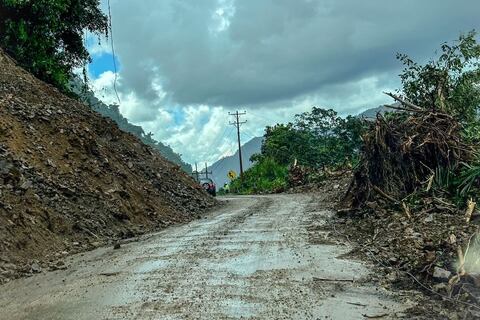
(232, 174)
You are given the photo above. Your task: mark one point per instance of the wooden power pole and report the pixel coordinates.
(206, 171)
(196, 173)
(237, 123)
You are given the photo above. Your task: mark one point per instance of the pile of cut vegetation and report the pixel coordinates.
(414, 193)
(71, 180)
(407, 221)
(401, 151)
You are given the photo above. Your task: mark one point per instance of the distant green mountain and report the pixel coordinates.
(113, 112)
(372, 113)
(221, 168)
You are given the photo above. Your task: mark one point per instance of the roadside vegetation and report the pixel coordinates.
(314, 143)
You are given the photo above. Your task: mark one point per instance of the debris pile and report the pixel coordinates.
(399, 219)
(298, 175)
(402, 150)
(71, 180)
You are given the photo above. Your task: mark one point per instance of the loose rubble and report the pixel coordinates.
(402, 218)
(71, 180)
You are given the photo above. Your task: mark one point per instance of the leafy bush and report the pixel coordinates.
(267, 175)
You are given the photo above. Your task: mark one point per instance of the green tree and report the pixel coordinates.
(284, 143)
(316, 139)
(449, 83)
(46, 36)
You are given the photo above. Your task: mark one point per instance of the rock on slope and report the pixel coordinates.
(71, 180)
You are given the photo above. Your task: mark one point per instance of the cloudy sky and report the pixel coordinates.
(183, 65)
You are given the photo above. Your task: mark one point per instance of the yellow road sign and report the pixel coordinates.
(232, 174)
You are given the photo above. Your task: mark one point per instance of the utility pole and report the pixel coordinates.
(237, 123)
(206, 171)
(196, 173)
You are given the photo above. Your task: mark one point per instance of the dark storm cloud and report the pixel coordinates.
(248, 52)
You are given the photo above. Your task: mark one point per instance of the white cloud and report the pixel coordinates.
(187, 63)
(98, 45)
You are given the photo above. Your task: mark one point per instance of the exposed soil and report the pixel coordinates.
(70, 180)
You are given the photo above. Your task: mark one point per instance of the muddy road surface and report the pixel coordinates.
(258, 257)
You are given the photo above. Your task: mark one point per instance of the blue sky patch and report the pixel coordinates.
(178, 116)
(101, 64)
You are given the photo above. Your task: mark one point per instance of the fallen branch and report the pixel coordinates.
(406, 209)
(383, 194)
(375, 316)
(461, 262)
(404, 102)
(357, 304)
(334, 280)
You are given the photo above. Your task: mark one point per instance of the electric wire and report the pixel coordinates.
(218, 162)
(113, 52)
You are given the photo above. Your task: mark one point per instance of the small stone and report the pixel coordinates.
(116, 246)
(440, 287)
(440, 273)
(452, 239)
(393, 260)
(429, 218)
(26, 185)
(35, 268)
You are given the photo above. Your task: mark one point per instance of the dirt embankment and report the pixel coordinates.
(71, 180)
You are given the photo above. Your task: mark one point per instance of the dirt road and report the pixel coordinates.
(256, 257)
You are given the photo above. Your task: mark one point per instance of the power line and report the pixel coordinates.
(248, 135)
(218, 162)
(269, 121)
(113, 52)
(220, 137)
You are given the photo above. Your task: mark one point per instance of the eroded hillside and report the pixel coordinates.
(71, 179)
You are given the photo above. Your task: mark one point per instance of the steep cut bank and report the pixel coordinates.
(71, 180)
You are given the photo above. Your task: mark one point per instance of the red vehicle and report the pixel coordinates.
(209, 186)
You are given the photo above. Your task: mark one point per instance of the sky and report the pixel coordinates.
(183, 65)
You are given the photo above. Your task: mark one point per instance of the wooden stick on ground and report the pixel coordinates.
(461, 261)
(334, 280)
(469, 211)
(407, 210)
(383, 194)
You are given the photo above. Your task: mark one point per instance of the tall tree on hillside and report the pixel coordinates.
(46, 36)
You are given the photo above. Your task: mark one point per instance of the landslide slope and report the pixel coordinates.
(71, 180)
